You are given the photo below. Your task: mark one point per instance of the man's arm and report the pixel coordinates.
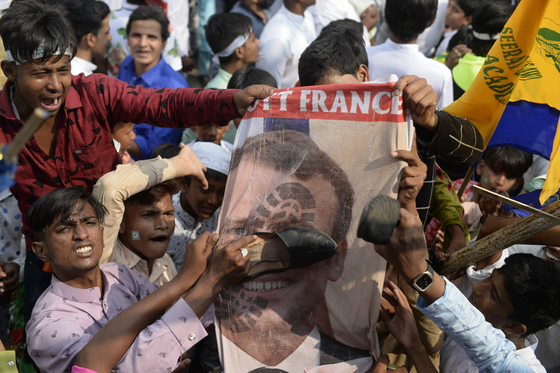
(447, 136)
(174, 108)
(116, 186)
(446, 305)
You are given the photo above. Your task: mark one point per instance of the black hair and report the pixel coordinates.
(462, 36)
(514, 162)
(143, 13)
(352, 32)
(533, 288)
(86, 16)
(489, 17)
(166, 151)
(408, 18)
(331, 54)
(152, 195)
(26, 25)
(468, 6)
(223, 28)
(58, 205)
(245, 77)
(292, 152)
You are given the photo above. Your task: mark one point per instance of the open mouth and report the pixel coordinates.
(260, 286)
(551, 256)
(162, 238)
(51, 103)
(84, 251)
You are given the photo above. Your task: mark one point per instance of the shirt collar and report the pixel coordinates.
(139, 265)
(404, 47)
(150, 76)
(292, 17)
(75, 294)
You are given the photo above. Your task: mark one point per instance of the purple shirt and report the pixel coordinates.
(65, 318)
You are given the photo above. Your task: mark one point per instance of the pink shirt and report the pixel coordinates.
(65, 318)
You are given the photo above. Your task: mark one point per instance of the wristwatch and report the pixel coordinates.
(424, 280)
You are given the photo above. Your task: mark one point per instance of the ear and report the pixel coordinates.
(121, 228)
(467, 20)
(514, 329)
(9, 70)
(239, 52)
(40, 249)
(182, 184)
(480, 167)
(363, 74)
(90, 40)
(336, 263)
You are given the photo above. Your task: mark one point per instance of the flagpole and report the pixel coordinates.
(465, 182)
(517, 232)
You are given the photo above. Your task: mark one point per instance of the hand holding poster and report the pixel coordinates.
(310, 157)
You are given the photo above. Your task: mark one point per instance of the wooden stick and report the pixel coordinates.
(465, 182)
(516, 204)
(503, 238)
(33, 123)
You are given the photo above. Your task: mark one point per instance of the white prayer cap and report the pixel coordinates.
(212, 156)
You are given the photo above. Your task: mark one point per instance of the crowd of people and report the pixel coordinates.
(109, 258)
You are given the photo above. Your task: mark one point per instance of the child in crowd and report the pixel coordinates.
(197, 208)
(123, 137)
(501, 169)
(140, 220)
(459, 14)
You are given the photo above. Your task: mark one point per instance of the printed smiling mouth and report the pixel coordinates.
(260, 286)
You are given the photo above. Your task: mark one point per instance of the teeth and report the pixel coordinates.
(84, 249)
(260, 287)
(55, 101)
(550, 256)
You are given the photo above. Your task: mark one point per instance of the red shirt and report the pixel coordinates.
(84, 144)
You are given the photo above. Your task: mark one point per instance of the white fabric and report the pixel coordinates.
(485, 36)
(442, 48)
(212, 156)
(178, 15)
(306, 355)
(37, 54)
(283, 40)
(224, 144)
(405, 59)
(429, 38)
(539, 168)
(474, 277)
(79, 65)
(326, 11)
(236, 43)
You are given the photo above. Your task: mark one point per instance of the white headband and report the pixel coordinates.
(38, 54)
(483, 36)
(238, 42)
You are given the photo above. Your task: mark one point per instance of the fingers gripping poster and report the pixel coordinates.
(310, 157)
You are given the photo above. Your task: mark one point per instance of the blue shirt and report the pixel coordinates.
(258, 22)
(487, 346)
(159, 76)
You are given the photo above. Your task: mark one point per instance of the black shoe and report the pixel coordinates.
(380, 217)
(295, 247)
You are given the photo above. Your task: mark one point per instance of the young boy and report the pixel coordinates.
(459, 14)
(123, 137)
(214, 134)
(196, 208)
(140, 219)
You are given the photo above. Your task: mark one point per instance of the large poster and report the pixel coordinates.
(310, 157)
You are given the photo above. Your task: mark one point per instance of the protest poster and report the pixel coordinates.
(313, 157)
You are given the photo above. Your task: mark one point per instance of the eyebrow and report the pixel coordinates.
(69, 222)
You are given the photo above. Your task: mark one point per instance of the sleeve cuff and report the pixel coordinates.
(184, 324)
(430, 309)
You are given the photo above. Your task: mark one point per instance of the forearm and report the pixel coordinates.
(109, 345)
(421, 359)
(203, 294)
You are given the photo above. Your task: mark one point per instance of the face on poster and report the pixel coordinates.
(289, 172)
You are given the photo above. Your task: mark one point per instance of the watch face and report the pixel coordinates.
(424, 281)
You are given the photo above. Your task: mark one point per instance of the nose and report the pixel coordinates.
(80, 232)
(258, 42)
(213, 130)
(143, 41)
(160, 222)
(109, 37)
(132, 135)
(500, 180)
(54, 84)
(213, 199)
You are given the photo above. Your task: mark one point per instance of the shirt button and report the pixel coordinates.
(67, 181)
(11, 363)
(46, 158)
(192, 337)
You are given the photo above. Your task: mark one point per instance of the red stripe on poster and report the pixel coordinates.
(371, 102)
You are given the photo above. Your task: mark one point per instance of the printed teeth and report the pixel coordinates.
(84, 249)
(260, 287)
(550, 256)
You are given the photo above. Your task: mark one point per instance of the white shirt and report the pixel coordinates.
(79, 65)
(405, 59)
(442, 48)
(431, 36)
(283, 40)
(326, 11)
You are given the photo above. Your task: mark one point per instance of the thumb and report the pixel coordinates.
(212, 240)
